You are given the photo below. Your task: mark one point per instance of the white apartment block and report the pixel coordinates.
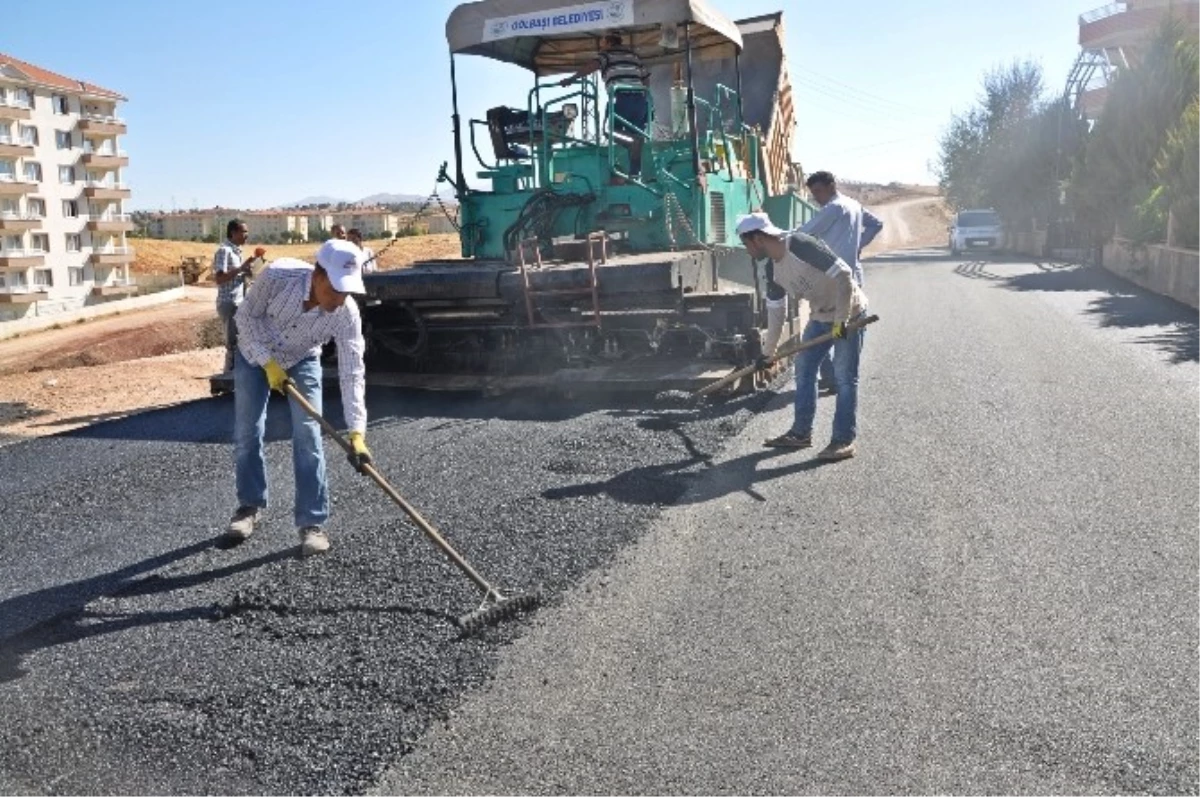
(200, 224)
(62, 215)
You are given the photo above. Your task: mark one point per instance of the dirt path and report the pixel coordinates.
(62, 379)
(907, 223)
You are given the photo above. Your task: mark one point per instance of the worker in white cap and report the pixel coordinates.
(293, 309)
(802, 266)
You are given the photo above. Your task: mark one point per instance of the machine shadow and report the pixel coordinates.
(210, 421)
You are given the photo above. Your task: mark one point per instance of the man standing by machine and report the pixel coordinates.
(804, 267)
(622, 70)
(846, 227)
(290, 312)
(230, 273)
(354, 236)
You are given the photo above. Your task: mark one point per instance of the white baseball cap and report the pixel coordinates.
(342, 261)
(757, 222)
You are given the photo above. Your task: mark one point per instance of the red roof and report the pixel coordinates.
(48, 78)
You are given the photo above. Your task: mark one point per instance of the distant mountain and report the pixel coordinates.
(373, 199)
(314, 200)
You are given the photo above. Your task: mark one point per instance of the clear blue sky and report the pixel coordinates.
(261, 102)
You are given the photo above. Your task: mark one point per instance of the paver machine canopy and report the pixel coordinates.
(574, 266)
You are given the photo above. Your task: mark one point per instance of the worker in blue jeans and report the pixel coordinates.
(292, 309)
(799, 265)
(847, 228)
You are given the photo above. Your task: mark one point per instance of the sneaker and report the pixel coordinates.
(242, 524)
(837, 451)
(313, 541)
(789, 440)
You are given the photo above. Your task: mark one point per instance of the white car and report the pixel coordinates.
(973, 228)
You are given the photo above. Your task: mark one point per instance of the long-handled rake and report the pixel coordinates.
(495, 606)
(789, 349)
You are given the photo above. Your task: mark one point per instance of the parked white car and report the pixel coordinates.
(973, 228)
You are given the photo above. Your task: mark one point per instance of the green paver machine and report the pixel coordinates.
(576, 275)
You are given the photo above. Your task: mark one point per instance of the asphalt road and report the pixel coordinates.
(999, 594)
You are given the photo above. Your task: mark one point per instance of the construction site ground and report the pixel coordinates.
(63, 379)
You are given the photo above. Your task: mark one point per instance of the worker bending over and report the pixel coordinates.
(806, 268)
(292, 309)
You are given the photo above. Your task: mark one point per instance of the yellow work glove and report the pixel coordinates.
(276, 376)
(839, 330)
(360, 455)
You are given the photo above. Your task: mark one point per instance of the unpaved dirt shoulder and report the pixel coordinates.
(47, 402)
(910, 222)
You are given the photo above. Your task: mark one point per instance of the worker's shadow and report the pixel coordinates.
(694, 480)
(69, 619)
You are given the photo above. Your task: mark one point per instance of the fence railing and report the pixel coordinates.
(1097, 14)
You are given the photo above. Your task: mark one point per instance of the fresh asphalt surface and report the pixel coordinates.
(998, 595)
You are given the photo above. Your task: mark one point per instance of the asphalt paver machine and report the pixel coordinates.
(576, 275)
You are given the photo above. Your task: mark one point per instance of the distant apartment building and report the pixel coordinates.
(63, 223)
(202, 224)
(1111, 39)
(372, 222)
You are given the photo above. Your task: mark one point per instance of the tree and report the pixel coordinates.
(1002, 152)
(1134, 171)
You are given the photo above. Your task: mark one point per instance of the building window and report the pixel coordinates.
(37, 207)
(63, 139)
(43, 278)
(9, 208)
(16, 279)
(39, 242)
(74, 242)
(70, 208)
(66, 175)
(12, 243)
(8, 170)
(33, 172)
(29, 135)
(60, 104)
(23, 98)
(75, 275)
(6, 133)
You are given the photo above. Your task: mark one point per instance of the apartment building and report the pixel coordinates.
(372, 222)
(201, 224)
(63, 223)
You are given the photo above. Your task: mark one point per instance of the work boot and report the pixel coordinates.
(313, 541)
(836, 451)
(242, 524)
(789, 440)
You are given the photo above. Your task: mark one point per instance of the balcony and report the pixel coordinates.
(112, 256)
(98, 190)
(107, 161)
(100, 125)
(19, 111)
(1118, 25)
(19, 222)
(12, 148)
(112, 222)
(22, 295)
(22, 258)
(11, 185)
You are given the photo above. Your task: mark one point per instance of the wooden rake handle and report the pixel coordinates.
(789, 349)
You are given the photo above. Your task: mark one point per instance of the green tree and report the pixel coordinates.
(1133, 169)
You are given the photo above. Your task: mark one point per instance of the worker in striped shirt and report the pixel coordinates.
(292, 309)
(622, 70)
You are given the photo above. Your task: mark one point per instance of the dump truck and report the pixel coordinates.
(576, 275)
